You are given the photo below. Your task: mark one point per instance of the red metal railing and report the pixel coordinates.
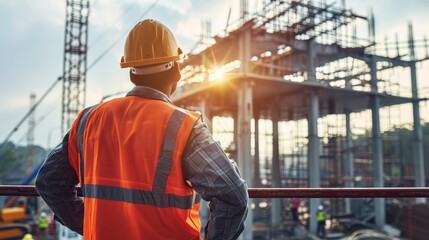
(403, 192)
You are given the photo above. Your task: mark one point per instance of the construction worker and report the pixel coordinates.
(321, 221)
(43, 224)
(142, 162)
(294, 209)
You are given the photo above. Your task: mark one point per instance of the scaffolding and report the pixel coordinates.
(309, 92)
(74, 64)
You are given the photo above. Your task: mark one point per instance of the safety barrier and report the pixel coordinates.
(402, 192)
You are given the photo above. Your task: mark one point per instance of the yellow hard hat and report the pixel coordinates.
(150, 43)
(27, 237)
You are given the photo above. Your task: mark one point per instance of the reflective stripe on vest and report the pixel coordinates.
(157, 197)
(164, 164)
(80, 133)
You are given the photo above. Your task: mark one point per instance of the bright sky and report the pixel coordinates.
(32, 39)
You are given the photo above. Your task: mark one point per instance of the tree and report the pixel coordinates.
(10, 159)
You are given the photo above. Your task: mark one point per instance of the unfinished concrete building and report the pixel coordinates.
(285, 86)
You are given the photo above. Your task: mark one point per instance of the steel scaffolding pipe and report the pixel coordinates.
(403, 192)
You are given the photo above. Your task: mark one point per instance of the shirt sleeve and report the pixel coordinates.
(56, 183)
(217, 180)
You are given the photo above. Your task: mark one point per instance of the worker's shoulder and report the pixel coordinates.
(194, 114)
(180, 109)
(157, 104)
(115, 101)
(120, 102)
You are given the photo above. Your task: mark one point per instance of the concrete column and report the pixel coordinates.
(417, 138)
(256, 177)
(276, 208)
(244, 116)
(313, 136)
(311, 60)
(313, 157)
(377, 148)
(348, 160)
(244, 51)
(417, 133)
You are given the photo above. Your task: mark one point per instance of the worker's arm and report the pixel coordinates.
(56, 183)
(218, 181)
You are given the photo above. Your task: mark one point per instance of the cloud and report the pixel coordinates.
(181, 7)
(106, 14)
(19, 100)
(190, 27)
(24, 15)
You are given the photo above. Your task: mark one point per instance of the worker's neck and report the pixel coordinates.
(163, 82)
(164, 89)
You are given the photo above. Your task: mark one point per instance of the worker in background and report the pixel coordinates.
(294, 209)
(143, 162)
(43, 225)
(321, 221)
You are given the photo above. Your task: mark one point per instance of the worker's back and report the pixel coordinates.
(133, 184)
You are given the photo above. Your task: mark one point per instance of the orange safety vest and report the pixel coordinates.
(127, 153)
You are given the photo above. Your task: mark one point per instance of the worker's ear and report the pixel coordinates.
(132, 79)
(177, 73)
(176, 77)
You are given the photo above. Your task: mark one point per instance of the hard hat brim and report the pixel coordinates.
(145, 62)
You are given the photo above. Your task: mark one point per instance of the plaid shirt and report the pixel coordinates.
(204, 164)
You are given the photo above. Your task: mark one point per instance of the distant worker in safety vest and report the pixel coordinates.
(43, 224)
(144, 163)
(321, 221)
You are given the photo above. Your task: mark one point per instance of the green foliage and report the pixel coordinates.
(10, 159)
(14, 162)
